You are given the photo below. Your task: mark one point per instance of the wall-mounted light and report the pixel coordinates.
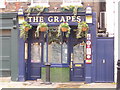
(20, 15)
(88, 9)
(20, 11)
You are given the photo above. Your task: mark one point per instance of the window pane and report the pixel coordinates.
(16, 0)
(40, 1)
(72, 1)
(64, 53)
(78, 53)
(35, 52)
(11, 0)
(54, 53)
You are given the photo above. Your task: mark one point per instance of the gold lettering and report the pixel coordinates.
(35, 19)
(73, 18)
(78, 19)
(50, 19)
(62, 19)
(41, 19)
(68, 18)
(30, 19)
(56, 19)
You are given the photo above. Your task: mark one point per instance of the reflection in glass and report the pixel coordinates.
(64, 53)
(26, 50)
(78, 53)
(54, 53)
(35, 52)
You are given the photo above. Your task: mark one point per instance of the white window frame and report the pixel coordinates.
(71, 3)
(2, 4)
(17, 1)
(41, 4)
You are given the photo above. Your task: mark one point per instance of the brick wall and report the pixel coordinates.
(14, 6)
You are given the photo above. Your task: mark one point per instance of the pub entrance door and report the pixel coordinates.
(76, 59)
(35, 55)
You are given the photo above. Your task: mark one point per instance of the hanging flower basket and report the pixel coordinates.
(84, 28)
(64, 29)
(27, 29)
(24, 28)
(43, 29)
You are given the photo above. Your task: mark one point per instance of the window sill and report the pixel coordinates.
(40, 4)
(73, 4)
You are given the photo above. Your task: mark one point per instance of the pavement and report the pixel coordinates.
(5, 82)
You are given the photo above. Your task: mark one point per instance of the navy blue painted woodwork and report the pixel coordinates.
(77, 69)
(88, 71)
(33, 68)
(105, 60)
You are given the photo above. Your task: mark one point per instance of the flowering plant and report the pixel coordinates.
(64, 27)
(36, 8)
(24, 28)
(73, 8)
(82, 29)
(41, 27)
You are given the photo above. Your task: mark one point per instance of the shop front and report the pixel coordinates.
(71, 57)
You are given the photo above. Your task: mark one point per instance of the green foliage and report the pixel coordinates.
(23, 32)
(79, 32)
(52, 37)
(72, 8)
(39, 26)
(65, 25)
(32, 9)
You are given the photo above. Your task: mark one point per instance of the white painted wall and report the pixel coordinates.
(116, 41)
(112, 28)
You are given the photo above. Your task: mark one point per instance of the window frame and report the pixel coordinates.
(17, 1)
(41, 4)
(70, 3)
(2, 4)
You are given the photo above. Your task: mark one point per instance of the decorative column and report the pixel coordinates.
(21, 47)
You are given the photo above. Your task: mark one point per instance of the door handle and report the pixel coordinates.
(103, 61)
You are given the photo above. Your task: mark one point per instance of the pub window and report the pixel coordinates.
(2, 4)
(36, 52)
(57, 53)
(71, 2)
(40, 2)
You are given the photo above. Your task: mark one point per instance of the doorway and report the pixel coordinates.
(35, 55)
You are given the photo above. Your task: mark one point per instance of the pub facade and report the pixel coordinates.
(72, 55)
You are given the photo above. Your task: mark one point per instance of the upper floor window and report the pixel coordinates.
(2, 4)
(40, 2)
(17, 0)
(71, 2)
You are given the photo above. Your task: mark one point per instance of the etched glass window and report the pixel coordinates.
(64, 53)
(36, 52)
(78, 53)
(54, 53)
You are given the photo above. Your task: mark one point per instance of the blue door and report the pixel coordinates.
(105, 60)
(77, 62)
(35, 55)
